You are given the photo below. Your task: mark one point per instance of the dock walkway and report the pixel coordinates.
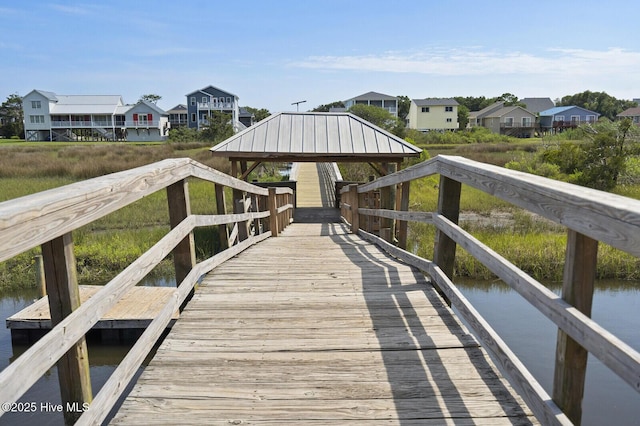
(319, 327)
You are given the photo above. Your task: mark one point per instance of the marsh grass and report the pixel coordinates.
(108, 245)
(105, 247)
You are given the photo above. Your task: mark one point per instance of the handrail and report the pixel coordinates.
(600, 216)
(37, 219)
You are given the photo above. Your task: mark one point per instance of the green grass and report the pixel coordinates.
(108, 245)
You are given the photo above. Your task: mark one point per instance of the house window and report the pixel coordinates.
(221, 100)
(425, 109)
(449, 120)
(575, 119)
(193, 100)
(508, 122)
(193, 118)
(526, 121)
(228, 100)
(448, 109)
(204, 99)
(591, 118)
(559, 118)
(36, 104)
(36, 119)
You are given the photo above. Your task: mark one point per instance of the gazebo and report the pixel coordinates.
(314, 137)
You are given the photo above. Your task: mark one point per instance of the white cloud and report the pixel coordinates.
(72, 10)
(477, 62)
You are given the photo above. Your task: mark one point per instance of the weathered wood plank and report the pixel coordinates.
(355, 337)
(135, 309)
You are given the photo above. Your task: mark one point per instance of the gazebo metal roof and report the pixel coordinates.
(315, 137)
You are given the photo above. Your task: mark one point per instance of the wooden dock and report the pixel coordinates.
(134, 312)
(319, 327)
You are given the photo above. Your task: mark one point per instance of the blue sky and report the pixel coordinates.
(274, 53)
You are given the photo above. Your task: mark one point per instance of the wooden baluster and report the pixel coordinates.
(273, 212)
(64, 297)
(444, 252)
(403, 224)
(571, 358)
(353, 200)
(184, 254)
(221, 209)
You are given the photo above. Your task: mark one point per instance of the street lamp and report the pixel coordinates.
(297, 104)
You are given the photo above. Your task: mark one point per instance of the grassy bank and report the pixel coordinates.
(105, 247)
(108, 245)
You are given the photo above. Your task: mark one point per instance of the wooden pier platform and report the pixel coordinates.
(134, 312)
(319, 327)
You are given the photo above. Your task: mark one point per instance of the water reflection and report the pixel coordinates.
(103, 359)
(616, 307)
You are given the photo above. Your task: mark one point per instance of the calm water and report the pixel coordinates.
(608, 400)
(616, 306)
(103, 360)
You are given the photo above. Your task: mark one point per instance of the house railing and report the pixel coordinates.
(590, 216)
(102, 124)
(48, 219)
(517, 125)
(215, 106)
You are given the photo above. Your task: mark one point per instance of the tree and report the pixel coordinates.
(218, 127)
(150, 98)
(183, 134)
(380, 117)
(463, 117)
(259, 114)
(12, 117)
(327, 107)
(596, 163)
(599, 102)
(404, 104)
(509, 99)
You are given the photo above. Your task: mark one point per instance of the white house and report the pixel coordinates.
(433, 115)
(52, 117)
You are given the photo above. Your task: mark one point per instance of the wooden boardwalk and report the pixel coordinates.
(319, 327)
(312, 188)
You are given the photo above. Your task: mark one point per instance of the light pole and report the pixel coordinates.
(297, 104)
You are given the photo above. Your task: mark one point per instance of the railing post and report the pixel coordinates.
(444, 253)
(64, 297)
(577, 290)
(403, 224)
(221, 208)
(273, 212)
(184, 254)
(353, 200)
(239, 207)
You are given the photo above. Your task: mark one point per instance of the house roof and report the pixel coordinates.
(506, 110)
(49, 95)
(86, 104)
(631, 112)
(209, 89)
(487, 110)
(149, 105)
(180, 108)
(373, 96)
(561, 109)
(315, 136)
(435, 102)
(537, 104)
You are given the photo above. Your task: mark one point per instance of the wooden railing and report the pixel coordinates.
(589, 216)
(49, 219)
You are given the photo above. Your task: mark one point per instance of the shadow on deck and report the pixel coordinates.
(319, 327)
